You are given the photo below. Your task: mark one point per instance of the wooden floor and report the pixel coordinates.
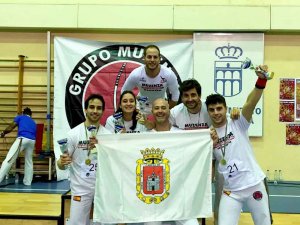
(34, 204)
(27, 222)
(30, 205)
(279, 219)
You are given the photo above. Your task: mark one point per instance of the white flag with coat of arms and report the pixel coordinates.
(154, 176)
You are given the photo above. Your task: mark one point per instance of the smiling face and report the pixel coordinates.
(127, 103)
(191, 100)
(94, 111)
(160, 110)
(217, 113)
(152, 59)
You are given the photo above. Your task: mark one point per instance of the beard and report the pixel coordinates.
(93, 118)
(192, 105)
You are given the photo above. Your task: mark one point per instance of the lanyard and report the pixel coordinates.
(198, 118)
(223, 148)
(88, 160)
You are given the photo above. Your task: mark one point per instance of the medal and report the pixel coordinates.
(87, 162)
(223, 162)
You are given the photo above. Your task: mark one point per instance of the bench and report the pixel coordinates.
(42, 165)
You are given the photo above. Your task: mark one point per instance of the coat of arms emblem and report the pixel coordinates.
(152, 176)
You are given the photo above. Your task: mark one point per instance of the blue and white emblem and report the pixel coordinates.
(228, 73)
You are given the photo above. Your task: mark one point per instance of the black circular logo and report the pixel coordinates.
(103, 72)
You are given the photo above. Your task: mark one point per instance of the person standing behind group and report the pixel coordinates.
(152, 80)
(25, 141)
(125, 119)
(83, 164)
(243, 177)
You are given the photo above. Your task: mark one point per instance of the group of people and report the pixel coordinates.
(235, 162)
(240, 179)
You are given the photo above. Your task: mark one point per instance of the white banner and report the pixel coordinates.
(217, 60)
(156, 176)
(83, 67)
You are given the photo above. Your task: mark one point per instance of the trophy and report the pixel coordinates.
(93, 130)
(143, 100)
(63, 145)
(247, 64)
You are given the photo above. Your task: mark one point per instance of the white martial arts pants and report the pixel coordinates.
(80, 210)
(178, 222)
(18, 146)
(256, 199)
(219, 182)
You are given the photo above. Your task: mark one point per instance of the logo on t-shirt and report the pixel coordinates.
(224, 141)
(142, 79)
(163, 80)
(194, 126)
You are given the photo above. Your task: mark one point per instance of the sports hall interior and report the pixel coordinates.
(27, 31)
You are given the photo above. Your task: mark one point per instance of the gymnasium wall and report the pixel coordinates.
(23, 26)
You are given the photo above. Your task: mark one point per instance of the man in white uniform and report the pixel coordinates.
(243, 178)
(152, 80)
(83, 164)
(192, 114)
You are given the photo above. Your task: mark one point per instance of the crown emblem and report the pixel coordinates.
(228, 52)
(152, 156)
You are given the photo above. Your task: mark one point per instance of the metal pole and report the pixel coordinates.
(48, 90)
(20, 83)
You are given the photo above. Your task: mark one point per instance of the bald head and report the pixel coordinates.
(161, 110)
(160, 102)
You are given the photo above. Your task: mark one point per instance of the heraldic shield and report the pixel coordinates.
(152, 176)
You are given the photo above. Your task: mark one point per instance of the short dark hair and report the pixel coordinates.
(215, 99)
(188, 85)
(151, 46)
(92, 97)
(27, 111)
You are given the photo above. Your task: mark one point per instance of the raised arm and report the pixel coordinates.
(255, 94)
